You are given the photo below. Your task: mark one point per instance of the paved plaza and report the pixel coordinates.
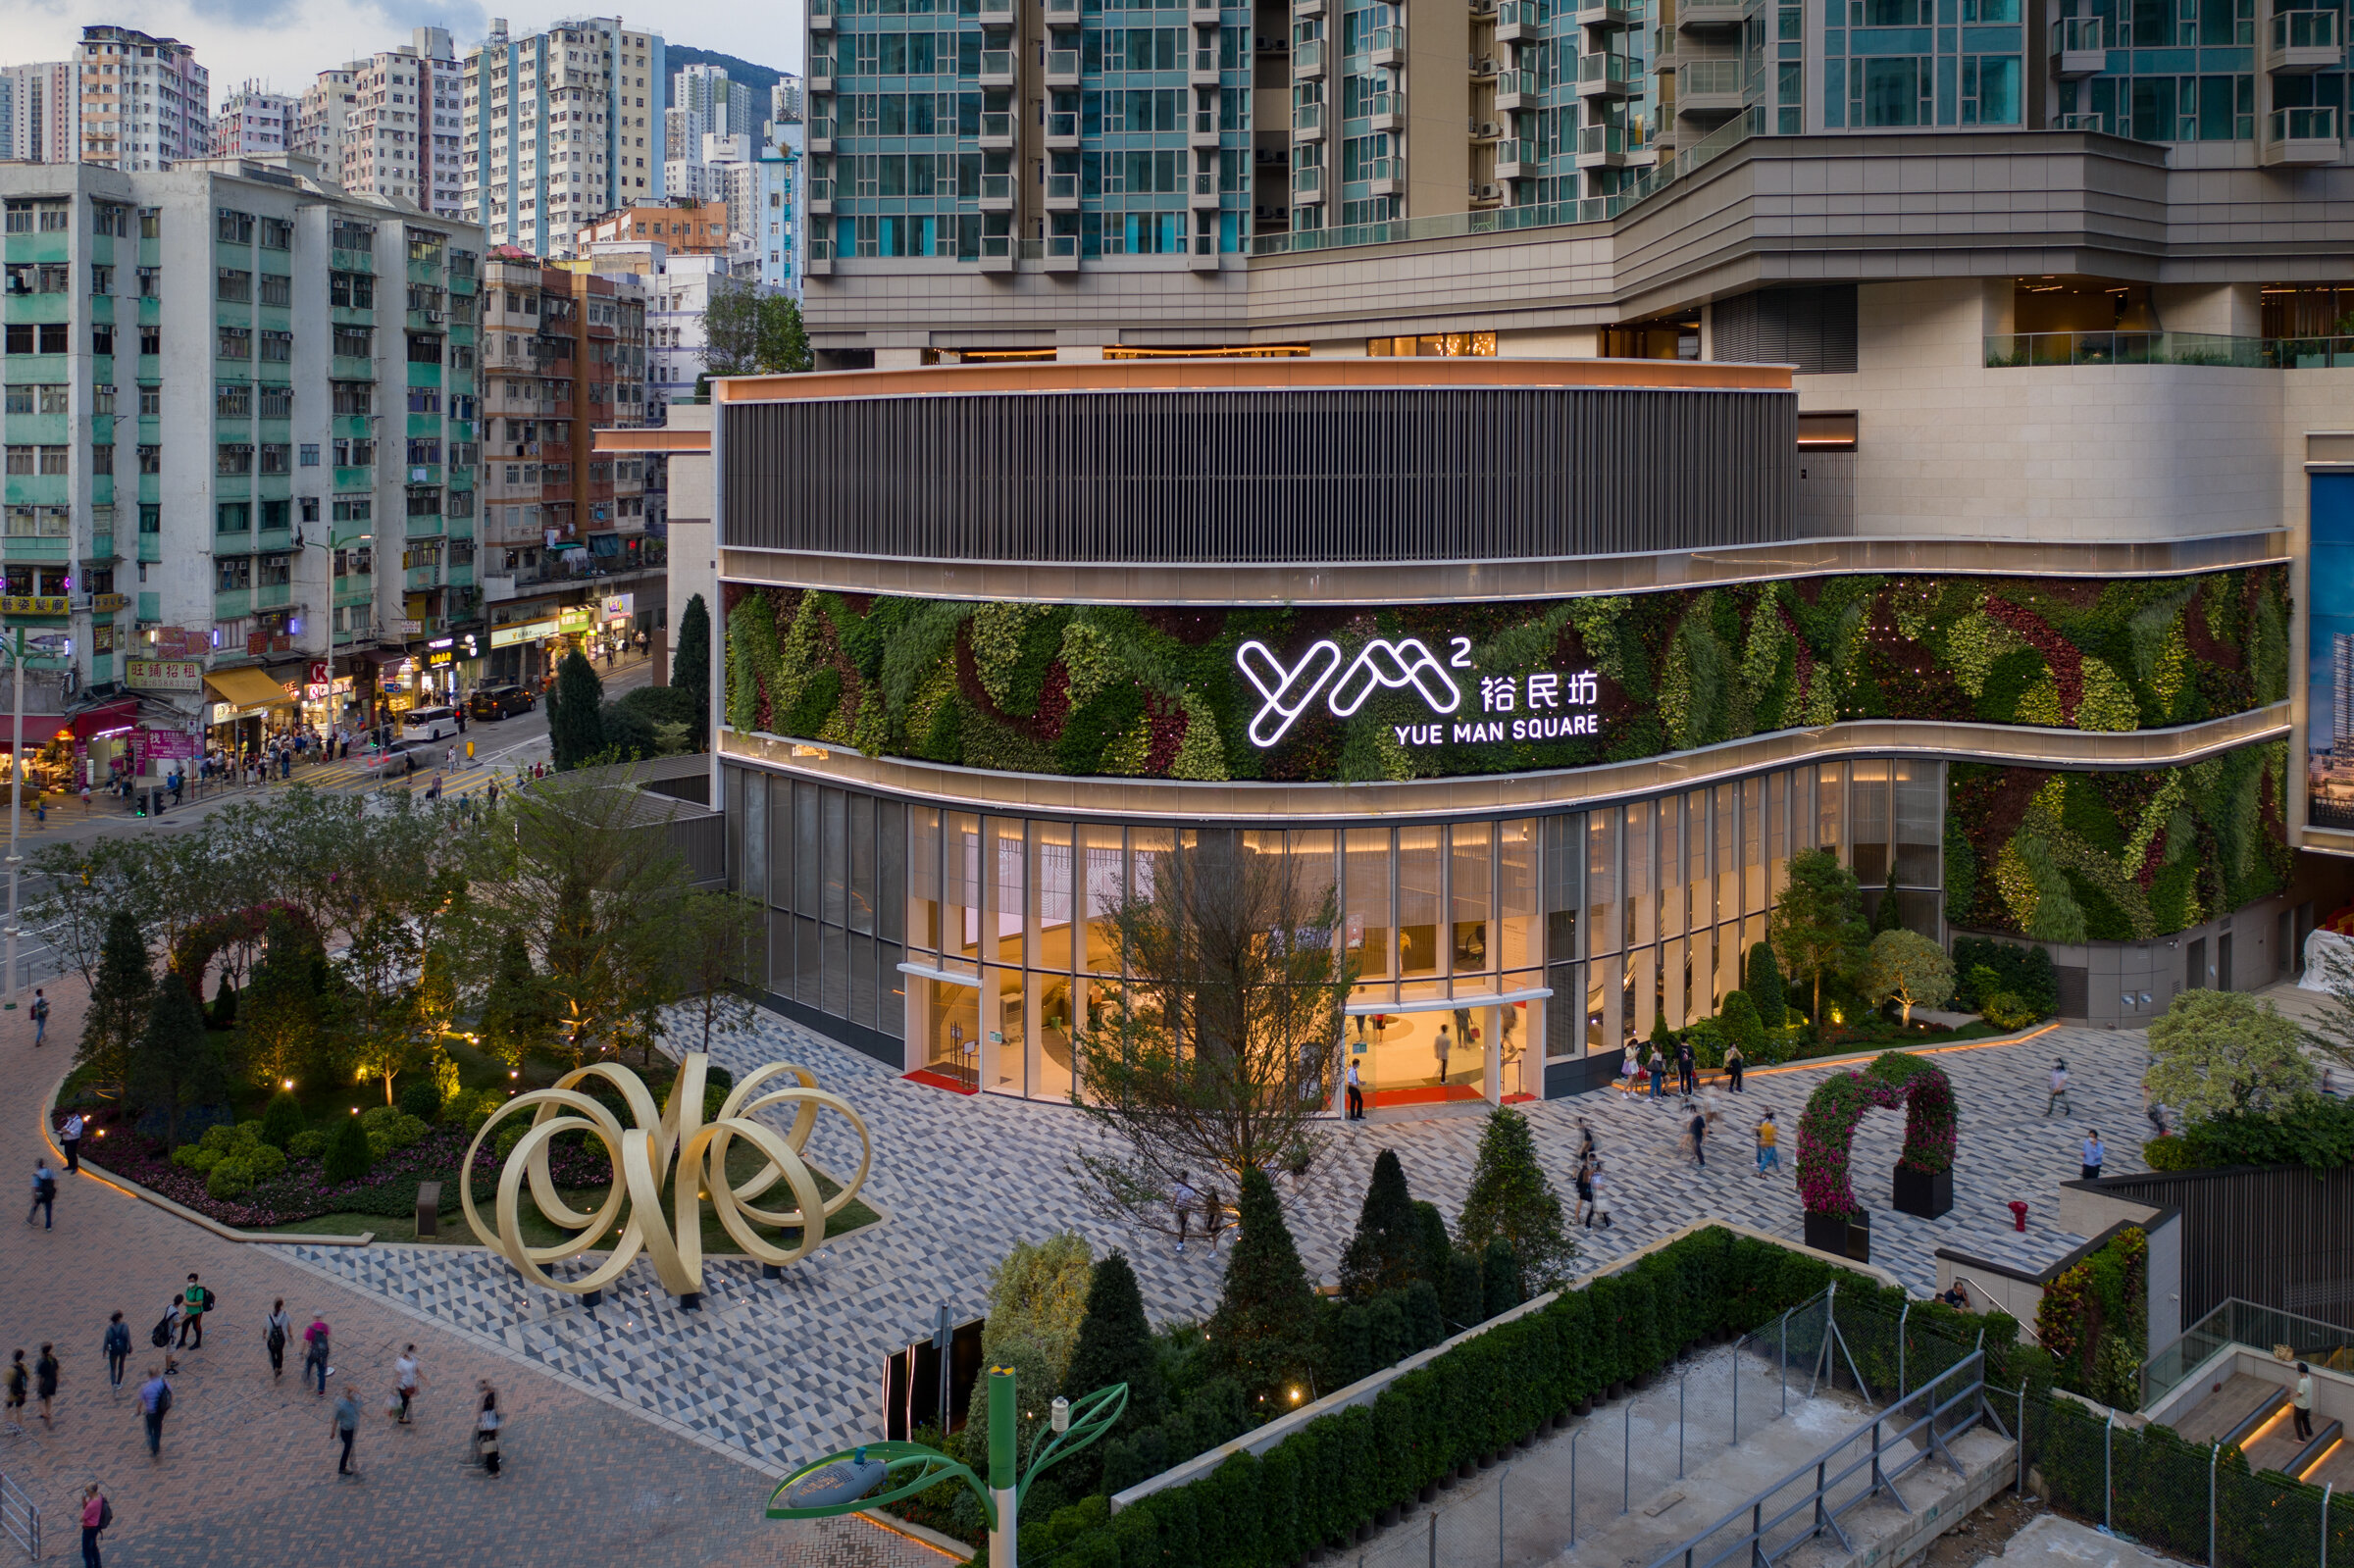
(782, 1373)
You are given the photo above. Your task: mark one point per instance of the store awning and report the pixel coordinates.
(99, 720)
(246, 688)
(39, 730)
(604, 545)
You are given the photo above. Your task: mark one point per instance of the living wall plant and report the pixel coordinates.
(1123, 691)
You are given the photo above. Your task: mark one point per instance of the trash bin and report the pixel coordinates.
(428, 1208)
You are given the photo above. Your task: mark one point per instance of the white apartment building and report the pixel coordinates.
(675, 339)
(39, 113)
(145, 102)
(316, 129)
(402, 128)
(559, 126)
(239, 429)
(785, 102)
(762, 194)
(252, 123)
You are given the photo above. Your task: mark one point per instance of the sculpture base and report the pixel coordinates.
(692, 1301)
(592, 1299)
(772, 1271)
(1840, 1234)
(1924, 1196)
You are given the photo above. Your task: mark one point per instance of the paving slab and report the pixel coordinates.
(2054, 1542)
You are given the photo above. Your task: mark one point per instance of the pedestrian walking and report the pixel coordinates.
(18, 1383)
(45, 1379)
(1599, 1202)
(2094, 1154)
(194, 1302)
(1711, 1106)
(1770, 1153)
(1357, 1087)
(2302, 1400)
(69, 1138)
(487, 1422)
(2059, 1090)
(1684, 1068)
(1585, 1193)
(1586, 1151)
(96, 1515)
(44, 1195)
(276, 1329)
(1734, 1065)
(404, 1381)
(493, 792)
(313, 1354)
(40, 1016)
(1181, 1203)
(1658, 1074)
(161, 1334)
(344, 1423)
(1440, 1048)
(1696, 1138)
(117, 1349)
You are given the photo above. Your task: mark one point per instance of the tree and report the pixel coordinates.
(575, 731)
(280, 1013)
(1386, 1252)
(1816, 927)
(1215, 1058)
(718, 936)
(1888, 916)
(691, 662)
(349, 1156)
(1114, 1344)
(1742, 1026)
(1764, 982)
(2219, 1051)
(1036, 1300)
(381, 1031)
(121, 996)
(1264, 1333)
(1511, 1202)
(514, 1013)
(752, 332)
(175, 1067)
(1908, 967)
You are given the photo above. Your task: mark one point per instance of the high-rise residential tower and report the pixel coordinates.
(39, 113)
(316, 127)
(559, 126)
(146, 101)
(402, 123)
(252, 123)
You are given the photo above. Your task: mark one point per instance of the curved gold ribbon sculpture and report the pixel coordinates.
(641, 1156)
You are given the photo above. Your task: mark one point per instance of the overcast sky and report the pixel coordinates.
(286, 42)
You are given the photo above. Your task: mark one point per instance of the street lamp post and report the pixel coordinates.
(16, 808)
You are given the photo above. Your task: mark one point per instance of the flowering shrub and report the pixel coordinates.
(1828, 1128)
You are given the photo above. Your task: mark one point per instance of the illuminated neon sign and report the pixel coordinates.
(1511, 707)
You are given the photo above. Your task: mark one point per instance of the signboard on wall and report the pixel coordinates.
(163, 675)
(620, 606)
(2330, 657)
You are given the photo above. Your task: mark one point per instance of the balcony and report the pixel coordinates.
(1307, 10)
(1604, 13)
(1307, 188)
(1206, 9)
(151, 546)
(1205, 68)
(1386, 111)
(1519, 19)
(1308, 121)
(997, 253)
(273, 595)
(1202, 257)
(996, 193)
(821, 198)
(355, 476)
(1206, 189)
(820, 259)
(2079, 47)
(821, 139)
(1062, 193)
(821, 76)
(1381, 175)
(1605, 147)
(997, 131)
(996, 67)
(1204, 132)
(1062, 132)
(1062, 68)
(2017, 350)
(229, 604)
(1706, 88)
(1694, 15)
(1517, 160)
(2300, 136)
(1517, 89)
(1308, 59)
(998, 13)
(1060, 252)
(821, 15)
(1607, 75)
(1389, 46)
(2302, 42)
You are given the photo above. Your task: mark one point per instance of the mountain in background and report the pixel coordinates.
(678, 57)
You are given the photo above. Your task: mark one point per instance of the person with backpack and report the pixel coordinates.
(96, 1515)
(40, 1016)
(487, 1422)
(45, 1196)
(195, 1303)
(45, 1379)
(117, 1347)
(313, 1354)
(276, 1329)
(19, 1381)
(155, 1404)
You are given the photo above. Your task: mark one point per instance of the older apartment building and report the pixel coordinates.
(558, 127)
(396, 124)
(146, 101)
(252, 123)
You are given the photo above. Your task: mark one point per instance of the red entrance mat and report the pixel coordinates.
(1427, 1095)
(955, 1085)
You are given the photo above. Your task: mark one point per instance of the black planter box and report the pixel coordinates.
(1924, 1197)
(1842, 1235)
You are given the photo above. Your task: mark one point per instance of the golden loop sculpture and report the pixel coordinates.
(643, 1155)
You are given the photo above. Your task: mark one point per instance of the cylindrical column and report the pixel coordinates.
(1001, 1465)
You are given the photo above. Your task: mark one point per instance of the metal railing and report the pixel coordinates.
(2304, 30)
(2259, 1328)
(2304, 124)
(21, 1517)
(1951, 1404)
(1708, 75)
(2015, 351)
(2075, 35)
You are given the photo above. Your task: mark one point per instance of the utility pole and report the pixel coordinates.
(15, 810)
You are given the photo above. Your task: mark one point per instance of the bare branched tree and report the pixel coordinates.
(1225, 1043)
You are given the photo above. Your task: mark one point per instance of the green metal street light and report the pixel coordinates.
(840, 1483)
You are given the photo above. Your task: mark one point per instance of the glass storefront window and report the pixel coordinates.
(1919, 822)
(952, 1031)
(960, 876)
(807, 849)
(1753, 864)
(1105, 871)
(1868, 803)
(1367, 892)
(1049, 903)
(1311, 866)
(1003, 1049)
(755, 832)
(1008, 879)
(1643, 873)
(1516, 894)
(1469, 877)
(1149, 852)
(1728, 852)
(1671, 882)
(862, 863)
(1056, 1020)
(834, 839)
(1602, 881)
(923, 879)
(1830, 800)
(1418, 902)
(1564, 861)
(1777, 833)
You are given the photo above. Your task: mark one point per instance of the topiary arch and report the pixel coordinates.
(1828, 1127)
(192, 954)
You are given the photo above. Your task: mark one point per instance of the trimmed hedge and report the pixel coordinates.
(1319, 1485)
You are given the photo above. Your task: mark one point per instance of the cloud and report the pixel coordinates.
(246, 12)
(464, 19)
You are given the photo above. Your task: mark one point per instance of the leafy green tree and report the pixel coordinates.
(2216, 1052)
(1764, 982)
(1907, 967)
(718, 936)
(121, 996)
(1513, 1202)
(691, 662)
(1264, 1333)
(437, 995)
(1386, 1252)
(1114, 1344)
(752, 332)
(283, 1009)
(176, 1066)
(1817, 927)
(575, 731)
(348, 1157)
(514, 1013)
(382, 1032)
(1886, 916)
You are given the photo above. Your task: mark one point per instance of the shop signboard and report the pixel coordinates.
(35, 604)
(170, 745)
(109, 603)
(1539, 706)
(436, 660)
(575, 618)
(619, 606)
(524, 632)
(164, 675)
(181, 643)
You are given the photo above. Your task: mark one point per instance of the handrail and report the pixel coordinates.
(1751, 1545)
(21, 1517)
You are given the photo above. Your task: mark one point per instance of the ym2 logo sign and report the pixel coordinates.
(1346, 684)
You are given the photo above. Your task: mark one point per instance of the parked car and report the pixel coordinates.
(429, 724)
(498, 702)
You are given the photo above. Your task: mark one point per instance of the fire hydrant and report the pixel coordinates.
(2018, 1215)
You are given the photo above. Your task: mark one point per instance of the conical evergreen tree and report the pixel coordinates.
(120, 998)
(1263, 1334)
(1115, 1345)
(1886, 917)
(175, 1067)
(575, 725)
(1436, 1246)
(691, 661)
(1512, 1201)
(1765, 985)
(1386, 1252)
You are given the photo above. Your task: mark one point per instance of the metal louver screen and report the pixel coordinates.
(1373, 474)
(1813, 329)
